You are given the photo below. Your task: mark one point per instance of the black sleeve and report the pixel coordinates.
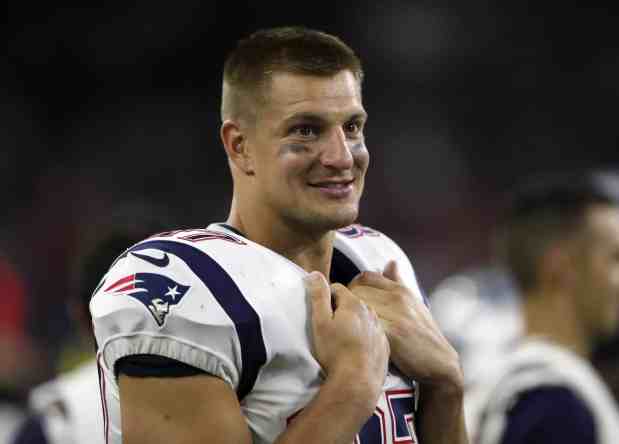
(31, 431)
(153, 365)
(549, 415)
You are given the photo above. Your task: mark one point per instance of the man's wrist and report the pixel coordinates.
(448, 387)
(357, 389)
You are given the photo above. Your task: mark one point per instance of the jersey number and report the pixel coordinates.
(399, 417)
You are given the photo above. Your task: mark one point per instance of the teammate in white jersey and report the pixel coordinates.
(275, 327)
(561, 242)
(68, 409)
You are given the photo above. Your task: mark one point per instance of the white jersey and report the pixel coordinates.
(537, 363)
(219, 302)
(70, 406)
(11, 418)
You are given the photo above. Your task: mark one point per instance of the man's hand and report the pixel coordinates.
(349, 341)
(351, 347)
(418, 348)
(420, 351)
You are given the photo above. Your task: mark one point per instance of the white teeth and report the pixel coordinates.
(333, 185)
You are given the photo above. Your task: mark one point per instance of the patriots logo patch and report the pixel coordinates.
(157, 292)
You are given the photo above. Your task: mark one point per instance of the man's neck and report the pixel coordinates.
(310, 251)
(555, 318)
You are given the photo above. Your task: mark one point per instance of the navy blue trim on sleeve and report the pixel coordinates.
(145, 366)
(549, 415)
(31, 431)
(230, 298)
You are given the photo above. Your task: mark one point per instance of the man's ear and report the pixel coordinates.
(235, 144)
(557, 268)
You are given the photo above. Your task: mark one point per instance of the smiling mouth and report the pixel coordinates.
(333, 184)
(334, 189)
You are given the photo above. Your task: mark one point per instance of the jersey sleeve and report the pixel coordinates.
(171, 299)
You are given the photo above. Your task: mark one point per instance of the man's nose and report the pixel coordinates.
(336, 153)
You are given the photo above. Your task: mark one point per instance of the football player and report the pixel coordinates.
(288, 323)
(561, 242)
(68, 409)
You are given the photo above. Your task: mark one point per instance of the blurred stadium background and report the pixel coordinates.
(111, 112)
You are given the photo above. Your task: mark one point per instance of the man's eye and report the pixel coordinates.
(305, 130)
(352, 127)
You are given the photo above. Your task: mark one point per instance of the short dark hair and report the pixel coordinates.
(296, 50)
(547, 208)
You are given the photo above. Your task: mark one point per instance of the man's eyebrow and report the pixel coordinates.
(305, 117)
(319, 118)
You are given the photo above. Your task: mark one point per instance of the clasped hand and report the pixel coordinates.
(418, 348)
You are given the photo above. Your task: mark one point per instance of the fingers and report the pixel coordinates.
(319, 295)
(371, 279)
(385, 280)
(392, 272)
(342, 296)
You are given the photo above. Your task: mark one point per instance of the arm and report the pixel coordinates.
(420, 351)
(184, 410)
(350, 345)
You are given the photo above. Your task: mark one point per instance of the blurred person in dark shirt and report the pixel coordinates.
(68, 409)
(560, 241)
(606, 361)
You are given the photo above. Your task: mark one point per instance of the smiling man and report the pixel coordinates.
(294, 325)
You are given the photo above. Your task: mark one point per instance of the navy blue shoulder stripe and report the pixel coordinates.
(230, 298)
(343, 270)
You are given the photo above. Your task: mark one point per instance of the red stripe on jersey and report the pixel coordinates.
(121, 282)
(131, 286)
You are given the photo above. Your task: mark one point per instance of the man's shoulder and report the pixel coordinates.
(214, 241)
(367, 241)
(163, 273)
(371, 249)
(183, 295)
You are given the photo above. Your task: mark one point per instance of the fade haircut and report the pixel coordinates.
(547, 209)
(296, 50)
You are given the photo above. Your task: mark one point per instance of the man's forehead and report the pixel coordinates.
(290, 93)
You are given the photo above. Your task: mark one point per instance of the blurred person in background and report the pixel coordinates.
(560, 242)
(478, 310)
(233, 333)
(16, 351)
(606, 361)
(68, 409)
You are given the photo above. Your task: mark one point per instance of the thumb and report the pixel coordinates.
(319, 294)
(392, 272)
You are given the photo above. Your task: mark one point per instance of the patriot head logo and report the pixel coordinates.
(157, 292)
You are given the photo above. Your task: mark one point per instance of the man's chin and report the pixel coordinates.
(341, 220)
